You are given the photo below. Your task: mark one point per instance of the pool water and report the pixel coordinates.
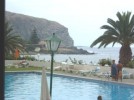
(27, 86)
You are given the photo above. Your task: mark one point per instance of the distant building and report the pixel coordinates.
(42, 44)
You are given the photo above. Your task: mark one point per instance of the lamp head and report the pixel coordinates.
(53, 43)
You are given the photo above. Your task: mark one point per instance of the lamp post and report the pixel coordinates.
(52, 44)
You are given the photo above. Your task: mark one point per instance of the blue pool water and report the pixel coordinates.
(26, 86)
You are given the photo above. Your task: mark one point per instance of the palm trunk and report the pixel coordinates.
(125, 54)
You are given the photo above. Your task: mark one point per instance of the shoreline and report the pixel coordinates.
(86, 59)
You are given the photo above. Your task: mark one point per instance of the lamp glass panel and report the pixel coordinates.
(54, 45)
(48, 44)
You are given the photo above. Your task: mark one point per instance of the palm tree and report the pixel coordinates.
(120, 31)
(12, 41)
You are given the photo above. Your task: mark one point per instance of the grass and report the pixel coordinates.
(31, 68)
(12, 68)
(23, 69)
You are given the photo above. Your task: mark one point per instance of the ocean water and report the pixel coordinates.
(102, 53)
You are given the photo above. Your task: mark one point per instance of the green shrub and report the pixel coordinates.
(109, 61)
(9, 57)
(29, 58)
(74, 61)
(80, 61)
(30, 48)
(130, 64)
(102, 62)
(105, 61)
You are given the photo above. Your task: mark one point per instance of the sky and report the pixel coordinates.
(83, 18)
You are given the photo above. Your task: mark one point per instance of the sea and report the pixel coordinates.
(100, 53)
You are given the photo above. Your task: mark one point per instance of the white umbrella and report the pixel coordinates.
(44, 87)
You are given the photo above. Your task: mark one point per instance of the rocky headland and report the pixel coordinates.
(24, 24)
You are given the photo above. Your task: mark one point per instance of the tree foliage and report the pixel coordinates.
(34, 37)
(120, 31)
(12, 41)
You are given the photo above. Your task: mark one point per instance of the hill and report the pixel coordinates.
(23, 25)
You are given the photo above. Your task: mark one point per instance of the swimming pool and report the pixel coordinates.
(26, 86)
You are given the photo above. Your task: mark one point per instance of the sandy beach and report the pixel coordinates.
(77, 70)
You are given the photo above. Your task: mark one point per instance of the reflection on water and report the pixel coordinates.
(27, 86)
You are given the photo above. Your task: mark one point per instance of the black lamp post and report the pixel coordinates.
(52, 44)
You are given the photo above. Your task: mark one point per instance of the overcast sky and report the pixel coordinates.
(83, 18)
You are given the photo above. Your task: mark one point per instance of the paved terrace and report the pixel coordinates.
(75, 68)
